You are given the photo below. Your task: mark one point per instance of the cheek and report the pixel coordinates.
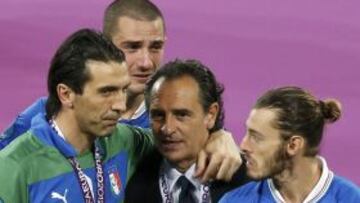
(157, 58)
(262, 161)
(130, 61)
(195, 144)
(261, 157)
(155, 126)
(267, 160)
(157, 138)
(98, 108)
(83, 107)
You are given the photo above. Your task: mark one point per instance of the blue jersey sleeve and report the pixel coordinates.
(23, 122)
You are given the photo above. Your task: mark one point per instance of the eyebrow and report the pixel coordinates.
(158, 41)
(181, 111)
(132, 43)
(155, 110)
(175, 111)
(107, 88)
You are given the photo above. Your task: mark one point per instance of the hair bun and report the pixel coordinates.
(331, 109)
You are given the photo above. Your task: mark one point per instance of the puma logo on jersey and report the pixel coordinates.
(55, 195)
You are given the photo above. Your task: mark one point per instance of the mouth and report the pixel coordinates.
(142, 77)
(169, 145)
(110, 122)
(248, 161)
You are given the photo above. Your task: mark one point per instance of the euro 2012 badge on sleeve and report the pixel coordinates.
(115, 181)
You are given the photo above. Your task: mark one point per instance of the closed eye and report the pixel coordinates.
(131, 46)
(182, 114)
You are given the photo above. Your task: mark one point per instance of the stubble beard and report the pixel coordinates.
(277, 165)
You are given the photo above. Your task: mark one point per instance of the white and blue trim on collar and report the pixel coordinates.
(316, 193)
(139, 111)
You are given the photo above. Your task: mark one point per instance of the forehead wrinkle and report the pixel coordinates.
(183, 92)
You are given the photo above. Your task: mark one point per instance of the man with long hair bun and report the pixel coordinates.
(281, 147)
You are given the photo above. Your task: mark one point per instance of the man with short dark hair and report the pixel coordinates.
(185, 104)
(284, 132)
(77, 151)
(137, 27)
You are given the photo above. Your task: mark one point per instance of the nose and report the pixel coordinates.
(144, 60)
(168, 126)
(119, 102)
(244, 144)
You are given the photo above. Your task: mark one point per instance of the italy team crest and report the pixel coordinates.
(115, 181)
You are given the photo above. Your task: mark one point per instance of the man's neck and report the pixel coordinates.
(132, 104)
(183, 166)
(296, 185)
(72, 133)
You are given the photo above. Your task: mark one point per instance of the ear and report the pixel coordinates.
(295, 145)
(66, 95)
(211, 115)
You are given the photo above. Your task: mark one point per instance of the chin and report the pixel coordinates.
(137, 88)
(106, 132)
(256, 176)
(172, 156)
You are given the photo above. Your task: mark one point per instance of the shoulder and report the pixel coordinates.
(129, 139)
(126, 135)
(22, 123)
(22, 148)
(343, 189)
(19, 157)
(244, 193)
(37, 107)
(219, 188)
(125, 129)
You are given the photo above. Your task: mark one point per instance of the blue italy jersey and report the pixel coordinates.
(140, 117)
(35, 166)
(329, 189)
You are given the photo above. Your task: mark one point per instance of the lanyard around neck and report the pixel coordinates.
(85, 187)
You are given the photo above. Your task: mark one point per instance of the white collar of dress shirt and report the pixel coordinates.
(172, 175)
(317, 192)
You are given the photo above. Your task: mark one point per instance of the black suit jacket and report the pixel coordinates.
(144, 185)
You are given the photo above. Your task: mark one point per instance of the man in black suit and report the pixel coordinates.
(185, 105)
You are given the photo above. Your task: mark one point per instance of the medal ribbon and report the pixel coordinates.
(88, 197)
